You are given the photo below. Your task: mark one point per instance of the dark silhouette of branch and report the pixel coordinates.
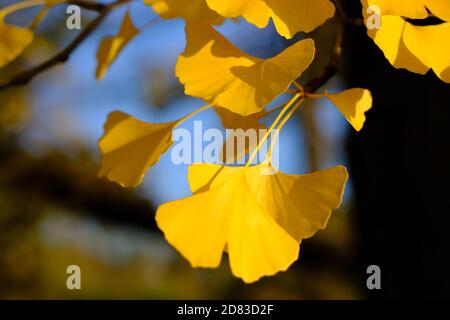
(332, 67)
(94, 6)
(308, 118)
(61, 57)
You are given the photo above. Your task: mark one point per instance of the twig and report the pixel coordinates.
(332, 67)
(312, 133)
(61, 57)
(344, 17)
(94, 6)
(330, 70)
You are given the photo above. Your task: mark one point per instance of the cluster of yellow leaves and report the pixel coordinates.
(289, 17)
(408, 46)
(258, 219)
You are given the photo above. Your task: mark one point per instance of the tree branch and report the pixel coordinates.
(332, 67)
(61, 57)
(308, 116)
(94, 6)
(344, 17)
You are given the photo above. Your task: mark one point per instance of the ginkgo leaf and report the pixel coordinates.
(215, 70)
(289, 16)
(111, 46)
(200, 226)
(129, 147)
(416, 9)
(195, 10)
(13, 41)
(301, 204)
(260, 219)
(415, 48)
(232, 149)
(353, 104)
(428, 46)
(404, 8)
(440, 8)
(390, 39)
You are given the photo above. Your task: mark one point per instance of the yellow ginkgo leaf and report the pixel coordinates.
(111, 46)
(289, 16)
(415, 48)
(390, 39)
(416, 9)
(232, 150)
(353, 104)
(228, 215)
(129, 147)
(301, 204)
(13, 41)
(428, 46)
(440, 8)
(195, 10)
(405, 8)
(215, 70)
(259, 219)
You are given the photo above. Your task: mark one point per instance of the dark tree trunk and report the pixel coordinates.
(400, 166)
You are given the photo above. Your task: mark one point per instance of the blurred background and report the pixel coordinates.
(55, 212)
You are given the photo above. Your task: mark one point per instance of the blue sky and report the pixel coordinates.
(71, 104)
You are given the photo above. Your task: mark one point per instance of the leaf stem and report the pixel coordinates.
(281, 125)
(194, 113)
(266, 136)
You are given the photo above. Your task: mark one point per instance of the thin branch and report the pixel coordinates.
(61, 57)
(313, 136)
(332, 67)
(344, 17)
(94, 6)
(330, 70)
